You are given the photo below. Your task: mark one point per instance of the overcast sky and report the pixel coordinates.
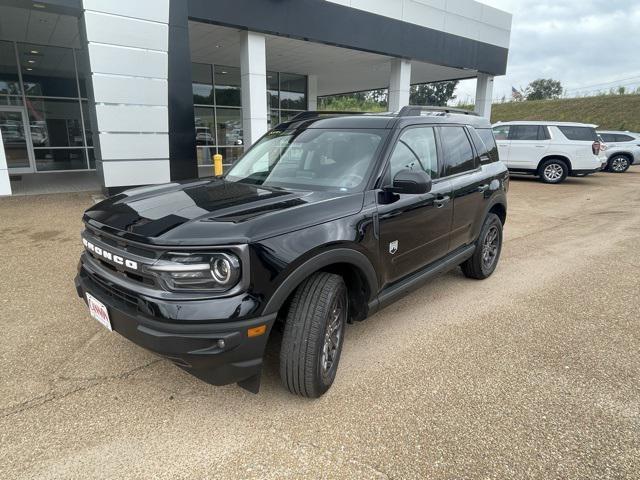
(586, 44)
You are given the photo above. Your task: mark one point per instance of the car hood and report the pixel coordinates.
(216, 212)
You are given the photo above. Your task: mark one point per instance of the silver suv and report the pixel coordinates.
(623, 150)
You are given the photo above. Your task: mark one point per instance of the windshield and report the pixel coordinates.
(311, 159)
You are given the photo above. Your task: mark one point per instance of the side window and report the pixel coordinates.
(624, 138)
(524, 132)
(608, 137)
(457, 152)
(501, 132)
(416, 148)
(582, 134)
(485, 144)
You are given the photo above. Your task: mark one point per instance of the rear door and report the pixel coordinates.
(501, 134)
(468, 183)
(529, 144)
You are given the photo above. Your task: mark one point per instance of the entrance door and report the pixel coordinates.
(16, 139)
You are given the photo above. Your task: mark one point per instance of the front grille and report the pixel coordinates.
(143, 256)
(112, 291)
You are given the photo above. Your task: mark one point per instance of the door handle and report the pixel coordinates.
(539, 146)
(441, 202)
(483, 188)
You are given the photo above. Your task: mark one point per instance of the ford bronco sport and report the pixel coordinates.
(325, 220)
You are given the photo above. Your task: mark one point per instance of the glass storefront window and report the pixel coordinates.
(205, 126)
(286, 115)
(293, 92)
(55, 123)
(227, 85)
(49, 159)
(218, 128)
(230, 154)
(202, 78)
(87, 123)
(9, 81)
(48, 71)
(273, 95)
(229, 126)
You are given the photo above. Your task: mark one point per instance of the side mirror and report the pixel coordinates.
(411, 182)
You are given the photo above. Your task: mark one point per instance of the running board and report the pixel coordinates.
(415, 280)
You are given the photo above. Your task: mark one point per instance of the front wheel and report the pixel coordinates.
(488, 247)
(553, 171)
(619, 164)
(313, 335)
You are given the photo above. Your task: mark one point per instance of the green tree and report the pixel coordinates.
(433, 94)
(544, 89)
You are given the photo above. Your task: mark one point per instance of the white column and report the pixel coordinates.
(5, 185)
(484, 95)
(253, 74)
(312, 92)
(399, 84)
(128, 45)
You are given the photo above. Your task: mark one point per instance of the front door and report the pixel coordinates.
(414, 229)
(16, 139)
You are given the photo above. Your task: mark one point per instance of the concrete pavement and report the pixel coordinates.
(533, 373)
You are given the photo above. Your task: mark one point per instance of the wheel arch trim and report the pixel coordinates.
(317, 262)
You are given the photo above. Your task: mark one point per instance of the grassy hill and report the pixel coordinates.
(610, 112)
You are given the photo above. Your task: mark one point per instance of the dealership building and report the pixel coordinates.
(117, 93)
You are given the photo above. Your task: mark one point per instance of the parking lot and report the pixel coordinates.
(533, 373)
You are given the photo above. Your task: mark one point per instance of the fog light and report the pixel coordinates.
(221, 343)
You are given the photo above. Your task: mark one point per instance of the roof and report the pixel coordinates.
(550, 124)
(382, 120)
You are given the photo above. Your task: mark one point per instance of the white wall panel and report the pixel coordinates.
(424, 15)
(127, 61)
(135, 172)
(125, 31)
(136, 91)
(465, 18)
(123, 146)
(156, 10)
(387, 8)
(132, 118)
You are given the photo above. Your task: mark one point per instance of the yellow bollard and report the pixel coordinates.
(217, 164)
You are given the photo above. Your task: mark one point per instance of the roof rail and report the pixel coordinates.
(317, 113)
(416, 110)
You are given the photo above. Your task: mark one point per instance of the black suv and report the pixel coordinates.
(325, 220)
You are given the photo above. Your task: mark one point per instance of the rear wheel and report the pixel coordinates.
(313, 335)
(553, 171)
(488, 247)
(619, 164)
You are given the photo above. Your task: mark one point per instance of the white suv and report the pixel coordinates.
(550, 150)
(623, 150)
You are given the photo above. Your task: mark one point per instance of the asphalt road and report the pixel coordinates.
(534, 373)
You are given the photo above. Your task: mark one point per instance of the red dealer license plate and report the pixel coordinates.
(98, 311)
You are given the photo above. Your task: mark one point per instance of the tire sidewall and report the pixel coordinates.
(492, 220)
(323, 381)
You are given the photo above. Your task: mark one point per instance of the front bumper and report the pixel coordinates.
(193, 346)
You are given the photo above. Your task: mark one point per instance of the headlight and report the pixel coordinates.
(214, 272)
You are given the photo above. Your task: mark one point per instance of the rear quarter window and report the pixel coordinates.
(584, 134)
(624, 138)
(485, 144)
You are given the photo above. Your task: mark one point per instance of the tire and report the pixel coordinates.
(485, 259)
(553, 171)
(313, 335)
(619, 164)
